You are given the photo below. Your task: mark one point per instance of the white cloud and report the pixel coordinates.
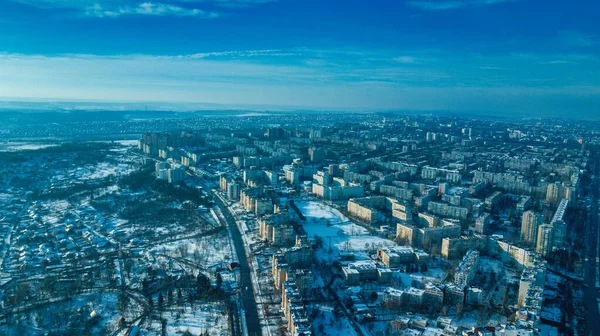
(147, 8)
(249, 2)
(456, 81)
(430, 5)
(119, 8)
(236, 54)
(230, 3)
(406, 59)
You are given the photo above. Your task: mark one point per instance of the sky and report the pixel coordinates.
(500, 56)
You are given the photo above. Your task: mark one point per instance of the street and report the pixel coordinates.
(249, 306)
(591, 292)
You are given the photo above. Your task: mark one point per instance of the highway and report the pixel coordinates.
(246, 288)
(249, 306)
(592, 267)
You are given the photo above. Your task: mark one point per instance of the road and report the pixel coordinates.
(248, 311)
(591, 291)
(260, 298)
(249, 306)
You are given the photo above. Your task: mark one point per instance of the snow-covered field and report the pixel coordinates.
(335, 228)
(21, 146)
(318, 211)
(210, 317)
(210, 252)
(103, 170)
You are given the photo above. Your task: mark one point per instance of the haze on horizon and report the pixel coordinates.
(526, 57)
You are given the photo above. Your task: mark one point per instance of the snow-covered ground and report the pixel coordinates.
(435, 273)
(210, 317)
(326, 323)
(210, 252)
(23, 146)
(79, 309)
(491, 265)
(103, 170)
(336, 229)
(318, 211)
(470, 320)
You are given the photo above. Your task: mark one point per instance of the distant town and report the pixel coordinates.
(245, 223)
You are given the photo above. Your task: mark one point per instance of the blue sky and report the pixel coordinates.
(521, 56)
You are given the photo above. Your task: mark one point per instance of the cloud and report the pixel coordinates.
(577, 39)
(554, 57)
(120, 8)
(337, 66)
(147, 8)
(321, 78)
(453, 4)
(237, 54)
(406, 59)
(557, 62)
(229, 3)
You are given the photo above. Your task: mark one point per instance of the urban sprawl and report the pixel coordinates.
(300, 224)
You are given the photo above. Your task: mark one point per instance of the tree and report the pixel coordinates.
(373, 296)
(219, 281)
(163, 324)
(202, 283)
(145, 285)
(161, 301)
(170, 296)
(179, 297)
(318, 242)
(122, 302)
(122, 322)
(191, 299)
(150, 302)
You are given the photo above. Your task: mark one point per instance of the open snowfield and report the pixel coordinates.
(24, 146)
(319, 211)
(335, 228)
(209, 252)
(210, 317)
(102, 170)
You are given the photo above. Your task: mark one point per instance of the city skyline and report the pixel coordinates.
(497, 56)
